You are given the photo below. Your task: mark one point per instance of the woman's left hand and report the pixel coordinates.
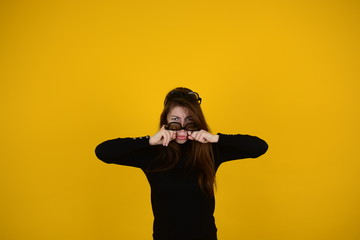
(203, 136)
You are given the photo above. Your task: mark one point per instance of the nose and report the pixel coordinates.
(182, 132)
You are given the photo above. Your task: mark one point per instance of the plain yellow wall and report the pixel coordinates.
(76, 73)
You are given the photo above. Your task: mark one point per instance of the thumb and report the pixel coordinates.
(189, 135)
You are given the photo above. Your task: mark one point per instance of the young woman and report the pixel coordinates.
(180, 162)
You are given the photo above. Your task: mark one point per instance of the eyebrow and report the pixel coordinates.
(179, 117)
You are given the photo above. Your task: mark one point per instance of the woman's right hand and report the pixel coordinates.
(162, 137)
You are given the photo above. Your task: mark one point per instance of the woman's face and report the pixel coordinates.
(181, 115)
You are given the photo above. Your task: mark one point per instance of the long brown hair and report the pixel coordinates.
(201, 157)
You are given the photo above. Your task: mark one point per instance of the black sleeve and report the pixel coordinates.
(231, 147)
(135, 152)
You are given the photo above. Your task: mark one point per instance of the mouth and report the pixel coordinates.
(181, 137)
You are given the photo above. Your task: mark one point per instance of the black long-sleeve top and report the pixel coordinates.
(182, 211)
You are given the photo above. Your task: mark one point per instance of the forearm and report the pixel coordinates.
(114, 149)
(243, 145)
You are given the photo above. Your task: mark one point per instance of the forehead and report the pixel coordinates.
(179, 112)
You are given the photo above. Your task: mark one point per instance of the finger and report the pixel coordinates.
(194, 135)
(161, 138)
(166, 138)
(200, 136)
(158, 138)
(173, 135)
(205, 136)
(169, 136)
(190, 135)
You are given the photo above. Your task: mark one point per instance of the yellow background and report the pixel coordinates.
(76, 73)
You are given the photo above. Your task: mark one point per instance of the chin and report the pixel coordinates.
(180, 141)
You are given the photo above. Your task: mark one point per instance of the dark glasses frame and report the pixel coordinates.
(191, 96)
(178, 127)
